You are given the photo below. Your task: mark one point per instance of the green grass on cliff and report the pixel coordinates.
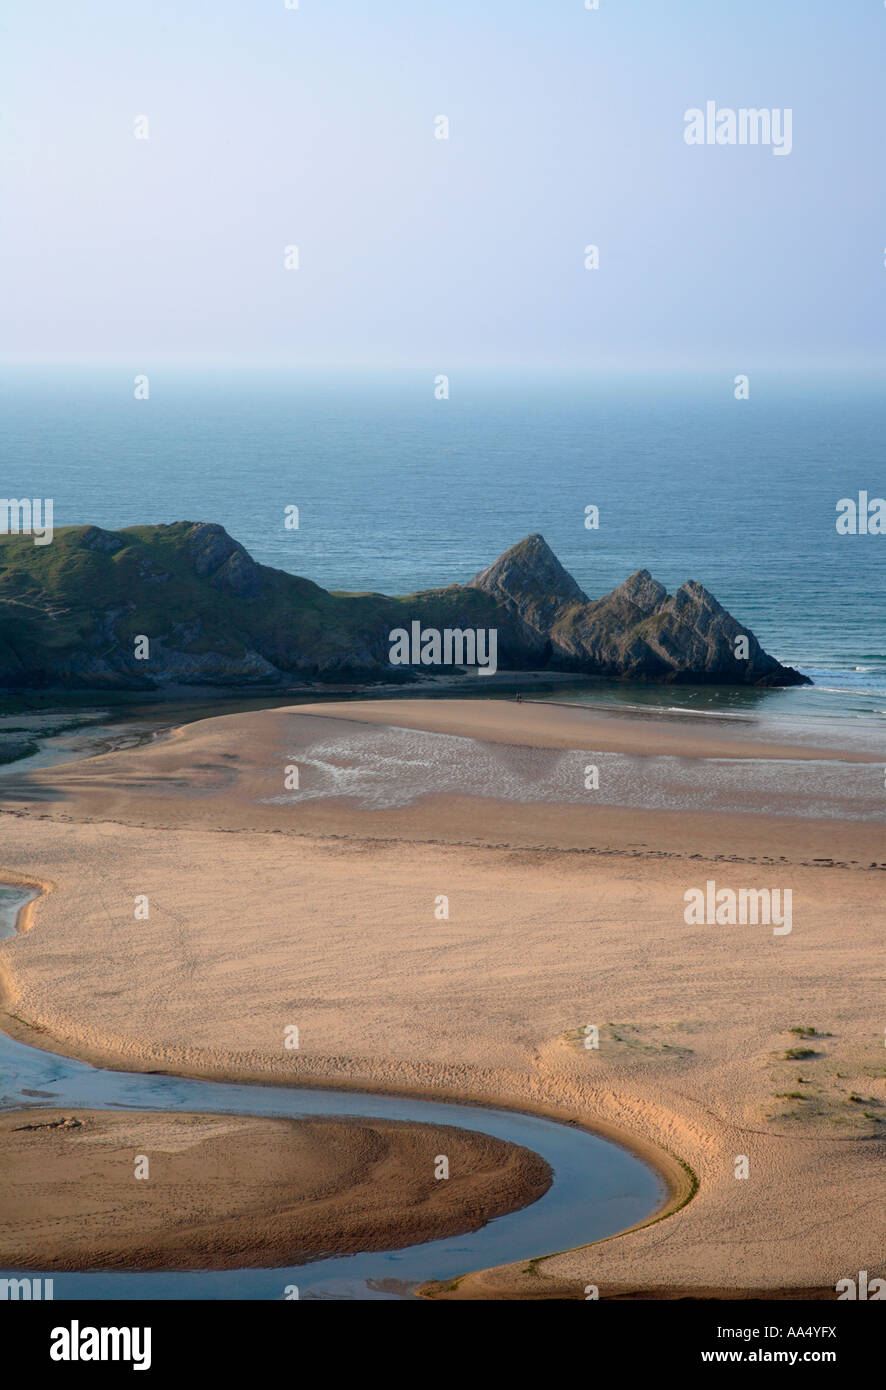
(63, 600)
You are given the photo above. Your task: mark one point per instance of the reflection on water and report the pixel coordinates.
(843, 708)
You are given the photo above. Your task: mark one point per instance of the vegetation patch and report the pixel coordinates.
(843, 1089)
(627, 1040)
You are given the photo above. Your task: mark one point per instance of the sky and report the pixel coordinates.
(315, 127)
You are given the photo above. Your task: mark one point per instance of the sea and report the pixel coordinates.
(401, 485)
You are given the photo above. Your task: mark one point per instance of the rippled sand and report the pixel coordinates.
(381, 768)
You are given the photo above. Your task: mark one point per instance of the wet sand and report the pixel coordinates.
(224, 1192)
(549, 724)
(326, 915)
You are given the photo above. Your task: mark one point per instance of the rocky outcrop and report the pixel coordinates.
(638, 631)
(529, 582)
(76, 612)
(223, 561)
(687, 636)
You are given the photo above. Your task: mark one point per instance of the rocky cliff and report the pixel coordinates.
(77, 613)
(637, 631)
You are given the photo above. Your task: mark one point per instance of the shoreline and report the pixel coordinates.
(157, 714)
(558, 724)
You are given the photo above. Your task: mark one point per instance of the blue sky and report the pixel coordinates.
(315, 127)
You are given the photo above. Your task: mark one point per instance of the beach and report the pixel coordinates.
(425, 939)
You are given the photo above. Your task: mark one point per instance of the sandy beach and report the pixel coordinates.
(268, 908)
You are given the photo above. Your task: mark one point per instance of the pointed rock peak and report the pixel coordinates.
(534, 545)
(642, 591)
(529, 570)
(695, 593)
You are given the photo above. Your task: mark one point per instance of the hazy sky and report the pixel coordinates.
(270, 127)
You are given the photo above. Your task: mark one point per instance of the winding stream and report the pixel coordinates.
(598, 1189)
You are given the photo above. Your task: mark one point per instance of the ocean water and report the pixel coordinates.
(399, 491)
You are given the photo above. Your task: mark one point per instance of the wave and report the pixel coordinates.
(847, 681)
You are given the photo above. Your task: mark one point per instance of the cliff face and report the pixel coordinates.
(72, 613)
